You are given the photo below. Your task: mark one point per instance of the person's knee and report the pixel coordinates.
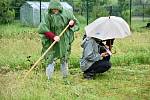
(106, 67)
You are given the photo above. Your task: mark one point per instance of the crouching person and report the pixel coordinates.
(95, 58)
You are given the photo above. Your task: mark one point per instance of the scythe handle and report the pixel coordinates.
(45, 53)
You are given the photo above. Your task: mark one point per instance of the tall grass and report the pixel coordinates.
(128, 78)
(131, 50)
(17, 43)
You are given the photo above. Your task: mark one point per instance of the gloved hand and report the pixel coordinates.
(71, 23)
(56, 38)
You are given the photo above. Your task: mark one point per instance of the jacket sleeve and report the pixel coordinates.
(50, 35)
(44, 25)
(72, 17)
(76, 26)
(90, 53)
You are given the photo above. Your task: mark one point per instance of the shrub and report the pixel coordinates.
(7, 14)
(16, 4)
(147, 11)
(125, 14)
(99, 12)
(124, 9)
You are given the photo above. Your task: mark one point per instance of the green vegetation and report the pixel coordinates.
(120, 83)
(128, 78)
(7, 14)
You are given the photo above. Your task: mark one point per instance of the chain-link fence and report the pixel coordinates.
(92, 10)
(141, 11)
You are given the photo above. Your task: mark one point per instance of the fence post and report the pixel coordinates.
(143, 12)
(87, 4)
(40, 10)
(130, 12)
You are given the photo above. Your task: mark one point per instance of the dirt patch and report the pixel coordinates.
(4, 70)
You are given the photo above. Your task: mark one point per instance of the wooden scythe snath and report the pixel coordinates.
(45, 53)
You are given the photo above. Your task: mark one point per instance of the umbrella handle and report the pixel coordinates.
(45, 53)
(108, 51)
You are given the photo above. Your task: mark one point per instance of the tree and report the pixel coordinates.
(124, 11)
(147, 11)
(7, 14)
(16, 4)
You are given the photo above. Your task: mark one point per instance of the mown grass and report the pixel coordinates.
(120, 83)
(128, 78)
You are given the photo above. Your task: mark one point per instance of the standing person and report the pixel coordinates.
(95, 57)
(53, 22)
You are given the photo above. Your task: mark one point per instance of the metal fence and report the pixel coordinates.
(87, 10)
(139, 11)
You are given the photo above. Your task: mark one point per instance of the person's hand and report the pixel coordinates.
(107, 46)
(108, 50)
(56, 38)
(104, 54)
(71, 23)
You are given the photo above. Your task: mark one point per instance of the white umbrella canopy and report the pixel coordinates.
(108, 28)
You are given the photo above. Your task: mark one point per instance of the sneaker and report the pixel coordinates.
(88, 76)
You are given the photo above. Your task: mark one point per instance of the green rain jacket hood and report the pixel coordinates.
(55, 5)
(56, 23)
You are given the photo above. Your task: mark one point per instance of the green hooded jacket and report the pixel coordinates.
(56, 23)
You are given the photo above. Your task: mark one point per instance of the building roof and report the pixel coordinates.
(44, 5)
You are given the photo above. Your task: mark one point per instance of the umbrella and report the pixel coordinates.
(108, 28)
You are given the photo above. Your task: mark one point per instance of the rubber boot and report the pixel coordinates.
(64, 69)
(50, 70)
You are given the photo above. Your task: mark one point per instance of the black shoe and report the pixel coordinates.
(88, 76)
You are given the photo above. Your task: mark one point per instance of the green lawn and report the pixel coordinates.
(119, 83)
(128, 79)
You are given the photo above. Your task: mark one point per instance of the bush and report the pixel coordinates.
(81, 19)
(147, 11)
(125, 14)
(7, 14)
(124, 9)
(101, 12)
(16, 4)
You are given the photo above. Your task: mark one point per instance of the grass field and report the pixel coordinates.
(128, 79)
